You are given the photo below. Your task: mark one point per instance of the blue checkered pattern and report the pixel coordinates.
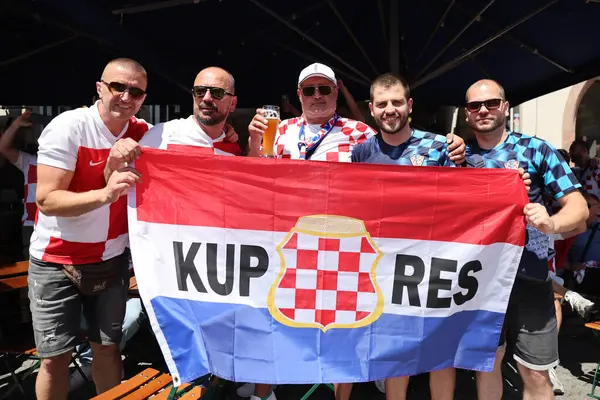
(550, 174)
(422, 149)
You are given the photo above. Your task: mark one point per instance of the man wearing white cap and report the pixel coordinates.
(318, 134)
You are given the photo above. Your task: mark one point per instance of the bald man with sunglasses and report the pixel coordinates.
(530, 326)
(204, 132)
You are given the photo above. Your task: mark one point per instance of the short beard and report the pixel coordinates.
(498, 123)
(401, 126)
(209, 121)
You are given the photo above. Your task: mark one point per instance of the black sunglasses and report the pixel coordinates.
(310, 90)
(118, 87)
(491, 104)
(216, 92)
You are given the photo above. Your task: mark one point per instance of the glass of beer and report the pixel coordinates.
(271, 113)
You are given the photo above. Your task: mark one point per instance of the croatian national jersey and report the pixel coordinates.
(27, 163)
(187, 135)
(337, 145)
(421, 149)
(549, 173)
(78, 141)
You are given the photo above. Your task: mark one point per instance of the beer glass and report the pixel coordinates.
(271, 113)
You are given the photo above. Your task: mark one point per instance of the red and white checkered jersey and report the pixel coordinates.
(27, 163)
(186, 134)
(78, 141)
(336, 146)
(591, 180)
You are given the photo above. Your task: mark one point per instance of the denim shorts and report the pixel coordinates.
(530, 327)
(56, 308)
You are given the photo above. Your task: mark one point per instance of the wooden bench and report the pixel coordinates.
(594, 326)
(150, 383)
(13, 283)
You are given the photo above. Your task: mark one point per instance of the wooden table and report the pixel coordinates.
(13, 276)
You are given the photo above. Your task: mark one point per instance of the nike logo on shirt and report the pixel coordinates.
(93, 164)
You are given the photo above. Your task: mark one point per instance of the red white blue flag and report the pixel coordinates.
(281, 271)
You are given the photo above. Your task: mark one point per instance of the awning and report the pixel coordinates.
(54, 50)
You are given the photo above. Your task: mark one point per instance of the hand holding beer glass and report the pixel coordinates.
(271, 113)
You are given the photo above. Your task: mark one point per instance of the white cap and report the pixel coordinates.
(317, 69)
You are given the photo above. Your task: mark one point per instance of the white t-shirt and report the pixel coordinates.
(78, 141)
(336, 146)
(27, 163)
(186, 134)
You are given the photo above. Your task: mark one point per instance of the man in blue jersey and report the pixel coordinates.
(398, 143)
(530, 322)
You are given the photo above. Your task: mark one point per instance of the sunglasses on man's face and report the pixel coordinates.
(491, 104)
(309, 91)
(120, 88)
(215, 92)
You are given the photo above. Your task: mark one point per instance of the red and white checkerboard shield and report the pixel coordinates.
(327, 276)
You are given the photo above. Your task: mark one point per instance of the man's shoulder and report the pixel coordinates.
(425, 135)
(140, 123)
(154, 136)
(350, 126)
(168, 126)
(367, 147)
(524, 140)
(73, 119)
(284, 125)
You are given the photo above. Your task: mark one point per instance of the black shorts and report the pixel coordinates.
(530, 327)
(56, 305)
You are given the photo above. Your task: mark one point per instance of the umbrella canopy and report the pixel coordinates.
(54, 50)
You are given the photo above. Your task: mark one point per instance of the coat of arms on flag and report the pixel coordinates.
(348, 286)
(327, 276)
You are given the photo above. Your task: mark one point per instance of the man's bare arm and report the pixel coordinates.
(8, 137)
(54, 199)
(573, 214)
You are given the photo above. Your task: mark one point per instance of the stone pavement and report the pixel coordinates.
(579, 352)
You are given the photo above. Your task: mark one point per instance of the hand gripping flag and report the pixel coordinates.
(281, 271)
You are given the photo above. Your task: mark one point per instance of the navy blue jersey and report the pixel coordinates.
(421, 149)
(550, 174)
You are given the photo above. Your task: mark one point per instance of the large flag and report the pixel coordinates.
(280, 271)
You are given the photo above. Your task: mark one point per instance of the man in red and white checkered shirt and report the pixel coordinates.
(27, 164)
(319, 133)
(78, 255)
(588, 172)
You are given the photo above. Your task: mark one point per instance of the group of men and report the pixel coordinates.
(78, 251)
